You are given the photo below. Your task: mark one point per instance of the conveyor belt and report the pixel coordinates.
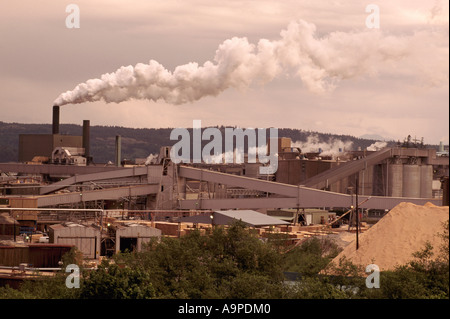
(322, 180)
(124, 172)
(287, 196)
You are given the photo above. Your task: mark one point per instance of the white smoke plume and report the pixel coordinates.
(319, 62)
(377, 146)
(333, 147)
(151, 159)
(235, 156)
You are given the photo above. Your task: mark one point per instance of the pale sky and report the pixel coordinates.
(391, 81)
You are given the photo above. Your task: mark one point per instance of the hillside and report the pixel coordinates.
(139, 143)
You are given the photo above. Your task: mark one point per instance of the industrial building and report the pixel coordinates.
(47, 147)
(132, 236)
(86, 238)
(394, 172)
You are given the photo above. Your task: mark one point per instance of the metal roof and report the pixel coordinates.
(250, 217)
(199, 219)
(227, 217)
(5, 218)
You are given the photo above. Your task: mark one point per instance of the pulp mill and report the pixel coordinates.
(102, 209)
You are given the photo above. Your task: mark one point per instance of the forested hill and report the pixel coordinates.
(138, 143)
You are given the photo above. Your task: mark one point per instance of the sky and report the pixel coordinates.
(313, 65)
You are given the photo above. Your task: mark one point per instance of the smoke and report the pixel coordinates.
(151, 159)
(333, 147)
(319, 62)
(235, 156)
(377, 146)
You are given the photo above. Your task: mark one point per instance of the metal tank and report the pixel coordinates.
(395, 180)
(411, 181)
(426, 181)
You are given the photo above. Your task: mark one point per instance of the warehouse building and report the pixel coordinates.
(131, 236)
(85, 238)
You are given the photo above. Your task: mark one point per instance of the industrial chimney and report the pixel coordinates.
(86, 140)
(118, 150)
(55, 121)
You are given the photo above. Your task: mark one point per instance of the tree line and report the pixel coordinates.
(136, 143)
(233, 263)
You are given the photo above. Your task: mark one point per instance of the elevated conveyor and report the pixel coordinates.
(345, 169)
(92, 177)
(101, 194)
(282, 195)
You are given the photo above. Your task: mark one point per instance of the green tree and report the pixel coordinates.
(215, 265)
(110, 281)
(315, 287)
(311, 256)
(45, 287)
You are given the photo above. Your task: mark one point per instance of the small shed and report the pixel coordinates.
(317, 216)
(85, 238)
(131, 236)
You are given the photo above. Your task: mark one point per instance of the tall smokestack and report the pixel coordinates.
(86, 140)
(55, 121)
(118, 150)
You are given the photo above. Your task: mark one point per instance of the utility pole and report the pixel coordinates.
(11, 214)
(357, 212)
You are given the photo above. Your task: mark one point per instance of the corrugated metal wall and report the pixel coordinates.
(38, 255)
(86, 239)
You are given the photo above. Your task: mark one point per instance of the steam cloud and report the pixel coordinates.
(151, 159)
(320, 63)
(377, 146)
(333, 148)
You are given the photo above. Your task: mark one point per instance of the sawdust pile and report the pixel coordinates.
(400, 233)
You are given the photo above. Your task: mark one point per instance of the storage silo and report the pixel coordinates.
(411, 180)
(395, 180)
(426, 181)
